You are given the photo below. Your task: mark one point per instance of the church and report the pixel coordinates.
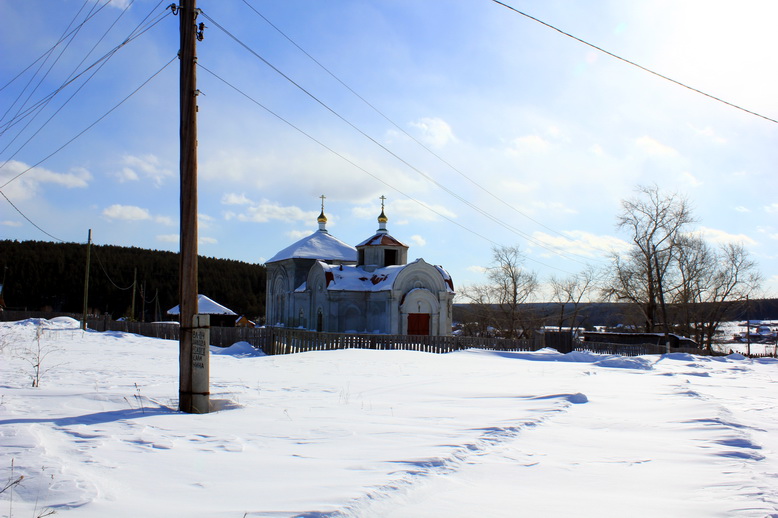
(321, 283)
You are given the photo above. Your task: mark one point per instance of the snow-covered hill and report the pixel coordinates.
(381, 433)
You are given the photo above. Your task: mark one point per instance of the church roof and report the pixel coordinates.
(319, 245)
(382, 239)
(355, 278)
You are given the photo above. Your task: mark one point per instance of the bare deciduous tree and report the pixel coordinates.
(655, 221)
(571, 294)
(509, 286)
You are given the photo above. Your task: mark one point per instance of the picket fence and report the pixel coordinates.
(278, 340)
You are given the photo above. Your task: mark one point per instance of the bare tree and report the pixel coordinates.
(655, 221)
(734, 278)
(571, 294)
(509, 286)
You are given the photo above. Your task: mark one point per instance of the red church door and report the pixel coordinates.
(418, 324)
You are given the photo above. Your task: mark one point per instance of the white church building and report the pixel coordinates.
(323, 284)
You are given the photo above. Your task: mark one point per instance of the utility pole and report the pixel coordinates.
(86, 278)
(193, 390)
(748, 327)
(134, 286)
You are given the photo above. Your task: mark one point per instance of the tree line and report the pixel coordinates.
(670, 280)
(123, 282)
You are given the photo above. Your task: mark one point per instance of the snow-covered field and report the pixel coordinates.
(382, 433)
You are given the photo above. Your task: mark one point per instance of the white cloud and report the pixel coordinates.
(403, 211)
(720, 236)
(596, 149)
(582, 243)
(410, 210)
(529, 144)
(435, 132)
(298, 234)
(235, 199)
(204, 220)
(709, 133)
(168, 238)
(516, 187)
(476, 269)
(164, 220)
(418, 240)
(554, 207)
(266, 211)
(691, 179)
(119, 4)
(206, 241)
(740, 208)
(771, 209)
(148, 166)
(653, 147)
(8, 223)
(126, 212)
(27, 185)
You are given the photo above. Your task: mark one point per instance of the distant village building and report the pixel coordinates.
(323, 284)
(220, 315)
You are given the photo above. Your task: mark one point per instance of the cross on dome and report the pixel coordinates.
(322, 219)
(382, 219)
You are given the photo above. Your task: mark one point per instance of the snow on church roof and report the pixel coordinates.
(355, 278)
(382, 238)
(319, 245)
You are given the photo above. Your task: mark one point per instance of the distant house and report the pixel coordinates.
(242, 321)
(220, 315)
(323, 284)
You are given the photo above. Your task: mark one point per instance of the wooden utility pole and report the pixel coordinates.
(86, 278)
(134, 289)
(194, 396)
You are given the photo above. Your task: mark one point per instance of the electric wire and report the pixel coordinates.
(72, 140)
(6, 125)
(483, 212)
(70, 76)
(641, 67)
(357, 166)
(91, 125)
(339, 155)
(100, 262)
(55, 238)
(66, 35)
(400, 128)
(103, 61)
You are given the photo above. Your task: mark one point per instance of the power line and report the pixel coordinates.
(106, 273)
(396, 156)
(357, 166)
(641, 67)
(400, 128)
(69, 142)
(28, 219)
(48, 53)
(38, 107)
(91, 125)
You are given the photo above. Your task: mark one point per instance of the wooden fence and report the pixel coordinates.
(275, 340)
(279, 340)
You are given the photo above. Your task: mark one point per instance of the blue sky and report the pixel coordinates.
(530, 138)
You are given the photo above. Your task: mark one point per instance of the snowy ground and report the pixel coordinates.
(382, 433)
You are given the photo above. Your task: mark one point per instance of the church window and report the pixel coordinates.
(390, 257)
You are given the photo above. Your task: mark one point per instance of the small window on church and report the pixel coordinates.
(390, 257)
